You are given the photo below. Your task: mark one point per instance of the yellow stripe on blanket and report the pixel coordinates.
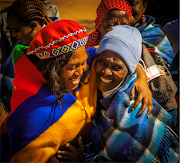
(58, 134)
(66, 128)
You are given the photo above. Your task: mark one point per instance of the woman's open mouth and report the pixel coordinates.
(105, 80)
(75, 81)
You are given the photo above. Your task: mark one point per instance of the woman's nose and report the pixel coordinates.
(107, 72)
(80, 70)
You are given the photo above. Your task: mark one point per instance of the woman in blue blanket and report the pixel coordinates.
(119, 134)
(157, 51)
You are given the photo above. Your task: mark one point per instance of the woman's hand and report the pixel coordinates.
(144, 93)
(71, 153)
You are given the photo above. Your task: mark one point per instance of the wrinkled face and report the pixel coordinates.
(23, 33)
(71, 73)
(114, 17)
(138, 9)
(110, 70)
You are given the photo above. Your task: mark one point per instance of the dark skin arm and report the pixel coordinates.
(144, 93)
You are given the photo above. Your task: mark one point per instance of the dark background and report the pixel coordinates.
(163, 10)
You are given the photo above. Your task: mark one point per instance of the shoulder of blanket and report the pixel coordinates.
(39, 112)
(18, 51)
(92, 49)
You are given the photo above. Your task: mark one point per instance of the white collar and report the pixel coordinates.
(107, 93)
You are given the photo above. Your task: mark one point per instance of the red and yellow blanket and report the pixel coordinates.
(37, 125)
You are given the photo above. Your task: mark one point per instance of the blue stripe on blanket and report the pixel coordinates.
(37, 117)
(155, 38)
(128, 137)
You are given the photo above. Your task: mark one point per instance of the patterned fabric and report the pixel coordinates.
(37, 125)
(4, 112)
(155, 38)
(104, 7)
(64, 34)
(107, 5)
(159, 78)
(120, 135)
(94, 39)
(61, 50)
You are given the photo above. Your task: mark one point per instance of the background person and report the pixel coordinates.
(171, 30)
(7, 41)
(24, 20)
(157, 56)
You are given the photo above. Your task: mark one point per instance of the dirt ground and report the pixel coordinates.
(84, 11)
(81, 11)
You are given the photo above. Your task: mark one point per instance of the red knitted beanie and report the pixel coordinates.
(58, 38)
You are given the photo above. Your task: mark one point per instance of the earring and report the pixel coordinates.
(143, 18)
(84, 83)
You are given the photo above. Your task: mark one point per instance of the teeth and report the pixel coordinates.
(105, 80)
(75, 80)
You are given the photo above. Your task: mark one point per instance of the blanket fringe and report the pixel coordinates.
(169, 137)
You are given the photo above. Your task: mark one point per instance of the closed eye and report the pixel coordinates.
(84, 63)
(71, 67)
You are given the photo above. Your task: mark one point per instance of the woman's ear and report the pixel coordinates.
(33, 25)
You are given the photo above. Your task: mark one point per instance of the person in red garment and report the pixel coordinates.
(53, 99)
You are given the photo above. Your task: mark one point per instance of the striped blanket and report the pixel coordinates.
(37, 125)
(155, 38)
(120, 135)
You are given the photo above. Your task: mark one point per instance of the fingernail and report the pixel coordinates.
(140, 114)
(59, 156)
(67, 145)
(147, 116)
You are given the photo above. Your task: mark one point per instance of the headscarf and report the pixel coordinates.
(125, 41)
(104, 7)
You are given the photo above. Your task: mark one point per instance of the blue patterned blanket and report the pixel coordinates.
(155, 38)
(119, 134)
